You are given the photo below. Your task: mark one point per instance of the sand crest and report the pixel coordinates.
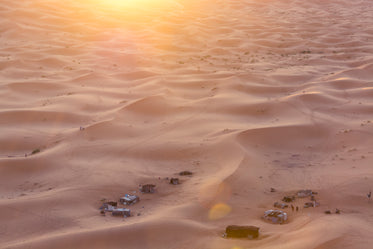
(98, 97)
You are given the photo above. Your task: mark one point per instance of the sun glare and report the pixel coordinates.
(137, 4)
(137, 10)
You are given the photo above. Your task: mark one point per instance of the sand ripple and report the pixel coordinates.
(246, 94)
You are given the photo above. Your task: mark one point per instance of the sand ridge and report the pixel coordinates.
(248, 95)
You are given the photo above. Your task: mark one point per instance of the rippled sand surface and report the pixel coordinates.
(97, 98)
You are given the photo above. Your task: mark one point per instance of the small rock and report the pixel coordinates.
(273, 190)
(337, 211)
(327, 212)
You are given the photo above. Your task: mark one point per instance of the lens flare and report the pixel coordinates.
(214, 191)
(219, 211)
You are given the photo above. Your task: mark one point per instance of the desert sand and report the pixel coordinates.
(98, 97)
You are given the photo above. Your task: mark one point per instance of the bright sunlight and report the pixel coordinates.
(137, 4)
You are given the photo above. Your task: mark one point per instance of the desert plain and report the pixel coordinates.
(257, 98)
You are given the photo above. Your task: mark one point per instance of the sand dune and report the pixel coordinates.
(98, 97)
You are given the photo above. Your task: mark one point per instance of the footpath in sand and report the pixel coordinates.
(97, 98)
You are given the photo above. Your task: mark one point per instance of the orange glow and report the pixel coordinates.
(135, 5)
(213, 192)
(219, 211)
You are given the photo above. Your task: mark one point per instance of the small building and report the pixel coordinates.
(174, 181)
(113, 203)
(108, 206)
(288, 198)
(305, 193)
(234, 231)
(280, 205)
(129, 199)
(275, 216)
(148, 188)
(125, 212)
(311, 204)
(185, 173)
